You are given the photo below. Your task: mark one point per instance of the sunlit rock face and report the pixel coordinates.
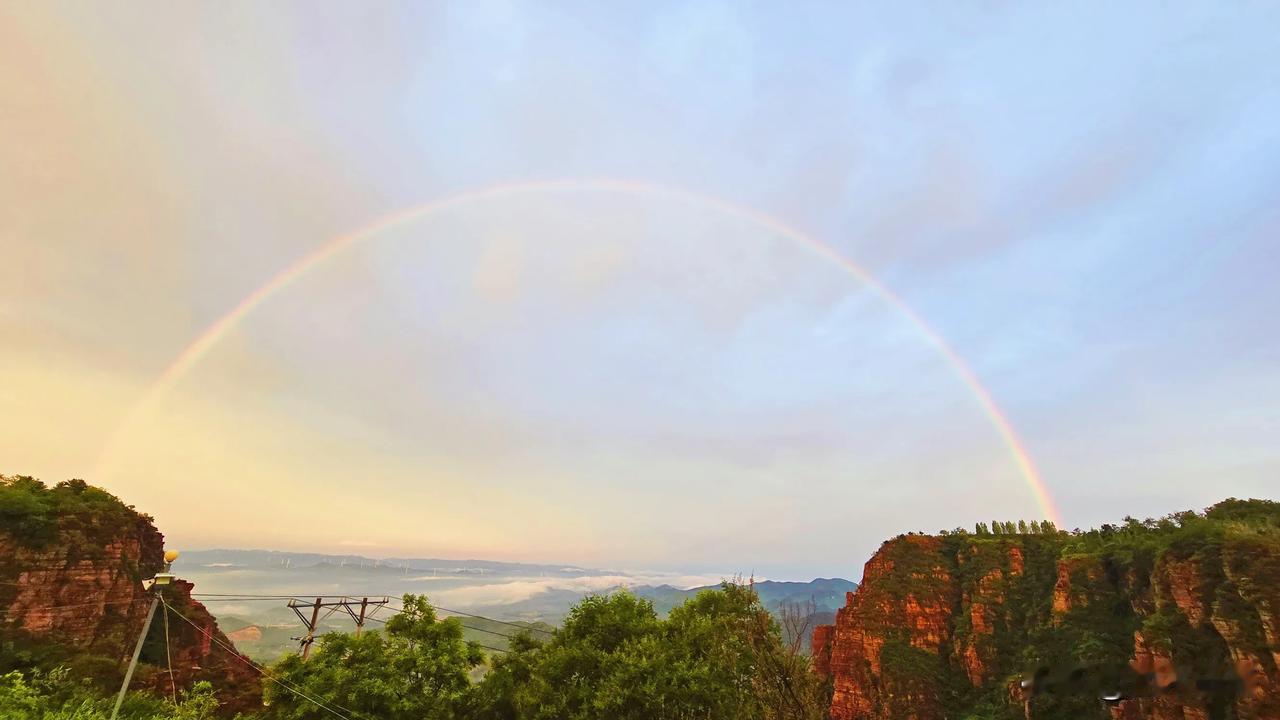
(74, 593)
(1180, 620)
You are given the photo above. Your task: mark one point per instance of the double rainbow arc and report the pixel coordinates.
(192, 354)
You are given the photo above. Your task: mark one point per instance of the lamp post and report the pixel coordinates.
(153, 585)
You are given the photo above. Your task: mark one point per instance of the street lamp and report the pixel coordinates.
(151, 585)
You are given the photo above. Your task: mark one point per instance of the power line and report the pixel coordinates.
(258, 595)
(403, 611)
(481, 617)
(69, 607)
(462, 624)
(486, 647)
(229, 597)
(265, 596)
(248, 596)
(261, 671)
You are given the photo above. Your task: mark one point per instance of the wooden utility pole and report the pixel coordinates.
(311, 630)
(345, 603)
(364, 605)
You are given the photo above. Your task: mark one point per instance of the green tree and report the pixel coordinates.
(53, 696)
(719, 655)
(417, 667)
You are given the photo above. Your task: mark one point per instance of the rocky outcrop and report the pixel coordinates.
(821, 649)
(200, 651)
(1181, 619)
(71, 594)
(888, 639)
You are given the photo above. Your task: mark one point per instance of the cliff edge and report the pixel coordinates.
(72, 561)
(1167, 619)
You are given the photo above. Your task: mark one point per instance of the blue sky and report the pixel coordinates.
(1084, 201)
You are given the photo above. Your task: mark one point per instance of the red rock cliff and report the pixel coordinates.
(939, 624)
(75, 594)
(923, 611)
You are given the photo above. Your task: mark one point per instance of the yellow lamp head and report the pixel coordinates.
(170, 555)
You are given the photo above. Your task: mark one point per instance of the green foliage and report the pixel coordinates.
(53, 696)
(913, 675)
(73, 511)
(62, 525)
(1118, 579)
(1256, 512)
(417, 667)
(719, 655)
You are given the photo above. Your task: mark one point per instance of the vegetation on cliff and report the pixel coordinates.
(72, 561)
(951, 625)
(56, 696)
(1011, 620)
(718, 655)
(72, 513)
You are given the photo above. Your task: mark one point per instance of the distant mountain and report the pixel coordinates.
(809, 604)
(231, 559)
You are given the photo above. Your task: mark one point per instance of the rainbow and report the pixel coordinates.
(212, 335)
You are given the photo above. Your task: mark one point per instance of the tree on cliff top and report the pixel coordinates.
(34, 514)
(717, 656)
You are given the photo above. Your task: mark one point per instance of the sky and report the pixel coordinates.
(632, 355)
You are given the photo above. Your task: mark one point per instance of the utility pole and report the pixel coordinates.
(345, 603)
(311, 627)
(153, 585)
(364, 605)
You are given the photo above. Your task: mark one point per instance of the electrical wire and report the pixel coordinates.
(486, 647)
(230, 597)
(260, 670)
(481, 617)
(402, 611)
(77, 605)
(247, 596)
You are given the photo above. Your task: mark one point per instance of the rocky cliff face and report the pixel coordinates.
(1168, 611)
(71, 594)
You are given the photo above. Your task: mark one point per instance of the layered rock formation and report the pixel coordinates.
(72, 559)
(1178, 615)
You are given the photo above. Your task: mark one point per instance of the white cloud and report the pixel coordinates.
(520, 590)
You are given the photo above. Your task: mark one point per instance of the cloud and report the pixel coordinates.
(520, 590)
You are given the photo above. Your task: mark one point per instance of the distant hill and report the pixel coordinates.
(811, 603)
(231, 559)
